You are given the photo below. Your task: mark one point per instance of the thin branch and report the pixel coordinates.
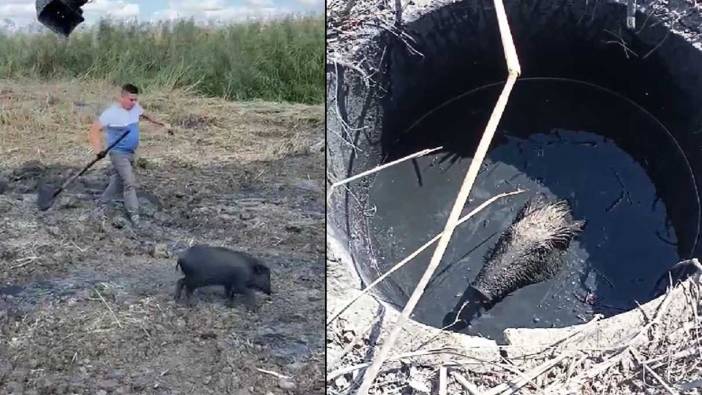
(677, 355)
(109, 308)
(620, 41)
(379, 168)
(470, 387)
(655, 375)
(623, 350)
(348, 369)
(356, 340)
(657, 45)
(443, 382)
(272, 373)
(513, 386)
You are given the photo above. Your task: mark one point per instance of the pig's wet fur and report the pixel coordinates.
(237, 271)
(529, 251)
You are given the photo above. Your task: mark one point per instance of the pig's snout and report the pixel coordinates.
(262, 278)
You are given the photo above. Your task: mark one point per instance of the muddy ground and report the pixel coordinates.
(86, 304)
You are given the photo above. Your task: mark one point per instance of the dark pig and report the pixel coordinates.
(238, 272)
(528, 252)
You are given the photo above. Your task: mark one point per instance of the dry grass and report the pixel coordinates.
(80, 335)
(664, 355)
(49, 122)
(276, 60)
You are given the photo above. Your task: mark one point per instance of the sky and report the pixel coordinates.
(21, 13)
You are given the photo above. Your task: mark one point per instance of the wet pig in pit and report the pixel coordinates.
(238, 272)
(530, 251)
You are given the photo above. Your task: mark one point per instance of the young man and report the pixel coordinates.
(121, 116)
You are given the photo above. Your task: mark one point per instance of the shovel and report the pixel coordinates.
(48, 193)
(61, 16)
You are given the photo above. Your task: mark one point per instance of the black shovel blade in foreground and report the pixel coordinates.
(46, 196)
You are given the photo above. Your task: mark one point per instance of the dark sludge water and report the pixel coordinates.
(562, 138)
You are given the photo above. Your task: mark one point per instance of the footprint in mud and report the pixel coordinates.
(282, 346)
(31, 293)
(12, 290)
(4, 184)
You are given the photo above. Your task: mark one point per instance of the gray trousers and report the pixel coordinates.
(122, 181)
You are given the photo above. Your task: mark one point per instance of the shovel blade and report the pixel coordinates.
(45, 198)
(61, 16)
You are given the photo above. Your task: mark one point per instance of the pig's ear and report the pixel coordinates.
(260, 269)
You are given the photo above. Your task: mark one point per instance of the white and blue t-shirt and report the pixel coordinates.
(116, 120)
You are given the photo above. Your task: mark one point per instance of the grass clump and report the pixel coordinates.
(279, 60)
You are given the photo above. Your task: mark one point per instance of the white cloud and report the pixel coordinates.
(310, 2)
(192, 7)
(260, 3)
(219, 10)
(16, 13)
(23, 12)
(129, 10)
(112, 9)
(167, 14)
(17, 9)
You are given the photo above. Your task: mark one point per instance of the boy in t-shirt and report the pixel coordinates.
(121, 116)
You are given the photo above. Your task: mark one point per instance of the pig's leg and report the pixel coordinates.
(179, 288)
(229, 294)
(248, 295)
(190, 287)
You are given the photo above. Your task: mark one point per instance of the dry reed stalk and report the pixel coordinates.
(513, 72)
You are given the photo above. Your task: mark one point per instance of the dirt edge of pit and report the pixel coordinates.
(355, 338)
(343, 284)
